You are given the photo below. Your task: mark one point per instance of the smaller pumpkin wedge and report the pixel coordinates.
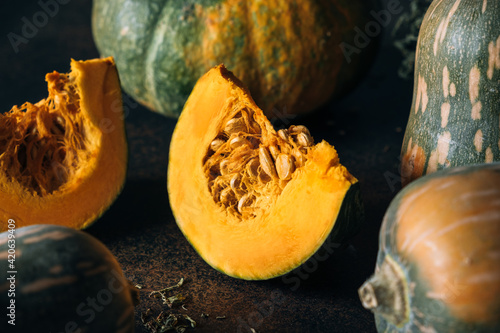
(62, 280)
(63, 160)
(454, 118)
(438, 266)
(254, 203)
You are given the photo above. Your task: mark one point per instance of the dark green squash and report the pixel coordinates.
(438, 266)
(58, 279)
(454, 118)
(289, 53)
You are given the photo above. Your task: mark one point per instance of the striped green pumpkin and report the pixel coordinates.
(454, 118)
(438, 266)
(288, 53)
(65, 281)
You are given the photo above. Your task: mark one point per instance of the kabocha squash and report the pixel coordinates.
(62, 280)
(254, 203)
(454, 118)
(438, 266)
(288, 53)
(63, 160)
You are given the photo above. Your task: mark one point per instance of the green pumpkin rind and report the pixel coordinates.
(454, 117)
(65, 279)
(162, 48)
(426, 313)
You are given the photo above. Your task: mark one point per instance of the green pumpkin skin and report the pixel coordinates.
(437, 247)
(65, 280)
(288, 53)
(454, 118)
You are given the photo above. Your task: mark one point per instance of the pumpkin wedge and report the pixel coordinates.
(63, 160)
(253, 202)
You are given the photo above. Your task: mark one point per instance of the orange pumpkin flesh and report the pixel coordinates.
(247, 214)
(63, 160)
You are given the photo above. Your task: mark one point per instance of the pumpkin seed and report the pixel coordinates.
(300, 159)
(252, 167)
(283, 134)
(224, 167)
(227, 196)
(274, 151)
(235, 125)
(238, 142)
(216, 144)
(285, 166)
(266, 162)
(245, 201)
(296, 129)
(235, 185)
(304, 140)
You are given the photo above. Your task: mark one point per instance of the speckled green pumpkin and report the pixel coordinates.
(289, 53)
(454, 117)
(438, 266)
(65, 280)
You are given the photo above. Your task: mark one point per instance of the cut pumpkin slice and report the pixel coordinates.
(63, 160)
(255, 203)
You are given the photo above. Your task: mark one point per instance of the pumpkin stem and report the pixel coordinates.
(386, 293)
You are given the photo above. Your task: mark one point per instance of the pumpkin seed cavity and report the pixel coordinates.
(248, 164)
(43, 145)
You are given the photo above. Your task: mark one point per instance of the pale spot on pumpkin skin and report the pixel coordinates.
(446, 81)
(474, 78)
(56, 269)
(29, 231)
(4, 287)
(494, 58)
(485, 2)
(476, 110)
(124, 31)
(443, 147)
(54, 235)
(422, 97)
(42, 284)
(478, 141)
(443, 26)
(445, 113)
(96, 270)
(453, 90)
(5, 255)
(489, 155)
(433, 162)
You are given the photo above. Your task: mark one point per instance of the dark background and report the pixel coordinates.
(366, 127)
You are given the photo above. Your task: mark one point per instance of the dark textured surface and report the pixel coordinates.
(366, 127)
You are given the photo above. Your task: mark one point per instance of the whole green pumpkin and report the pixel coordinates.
(59, 279)
(455, 114)
(438, 265)
(292, 55)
